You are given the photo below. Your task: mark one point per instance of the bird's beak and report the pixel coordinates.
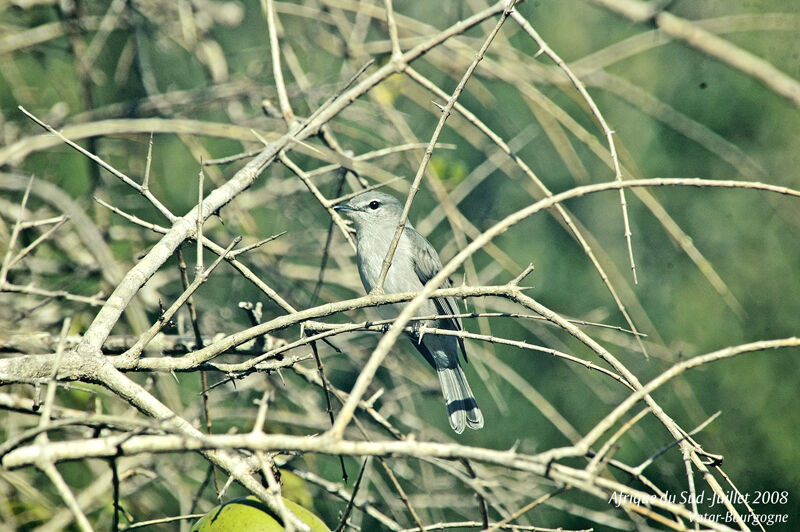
(344, 207)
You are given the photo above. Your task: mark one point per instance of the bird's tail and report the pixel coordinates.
(462, 410)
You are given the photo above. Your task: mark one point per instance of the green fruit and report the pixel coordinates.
(251, 515)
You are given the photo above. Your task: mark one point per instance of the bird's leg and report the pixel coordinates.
(417, 330)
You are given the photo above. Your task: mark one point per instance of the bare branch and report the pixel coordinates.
(446, 110)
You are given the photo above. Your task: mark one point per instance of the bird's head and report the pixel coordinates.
(372, 209)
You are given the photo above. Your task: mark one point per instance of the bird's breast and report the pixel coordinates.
(401, 276)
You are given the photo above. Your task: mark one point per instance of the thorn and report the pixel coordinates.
(269, 109)
(440, 107)
(523, 275)
(225, 487)
(377, 395)
(307, 146)
(259, 137)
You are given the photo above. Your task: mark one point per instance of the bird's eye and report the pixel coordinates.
(374, 204)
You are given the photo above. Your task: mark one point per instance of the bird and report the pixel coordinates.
(376, 216)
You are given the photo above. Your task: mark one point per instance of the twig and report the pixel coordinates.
(198, 340)
(595, 462)
(134, 352)
(43, 463)
(50, 395)
(261, 414)
(740, 498)
(198, 267)
(335, 96)
(268, 9)
(327, 246)
(55, 294)
(676, 370)
(12, 241)
(387, 261)
(368, 156)
(274, 490)
(41, 238)
(115, 495)
(218, 250)
(351, 501)
(335, 216)
(66, 494)
(390, 21)
(245, 249)
(528, 507)
(232, 158)
(522, 345)
(328, 405)
(609, 134)
(644, 465)
(687, 462)
(148, 163)
(333, 488)
(46, 221)
(345, 197)
(100, 162)
(517, 315)
(402, 493)
(161, 521)
(131, 218)
(481, 499)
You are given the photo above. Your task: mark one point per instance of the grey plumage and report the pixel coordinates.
(375, 216)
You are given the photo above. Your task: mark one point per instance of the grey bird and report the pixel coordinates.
(376, 216)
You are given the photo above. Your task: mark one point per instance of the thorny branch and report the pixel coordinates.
(103, 365)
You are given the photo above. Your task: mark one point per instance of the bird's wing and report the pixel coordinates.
(426, 265)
